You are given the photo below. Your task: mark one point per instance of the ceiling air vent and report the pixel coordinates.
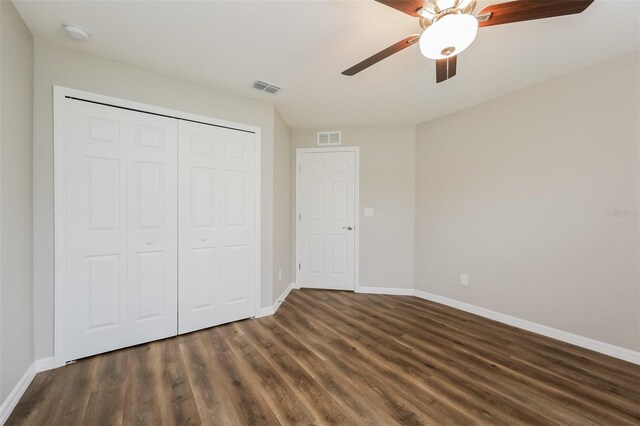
(329, 138)
(266, 87)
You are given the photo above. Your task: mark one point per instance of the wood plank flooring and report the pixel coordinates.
(331, 357)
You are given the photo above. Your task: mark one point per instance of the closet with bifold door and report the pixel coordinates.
(156, 226)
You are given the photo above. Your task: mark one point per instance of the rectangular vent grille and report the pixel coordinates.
(329, 138)
(266, 87)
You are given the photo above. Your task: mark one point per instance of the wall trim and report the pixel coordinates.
(16, 393)
(44, 364)
(387, 290)
(19, 389)
(270, 310)
(265, 312)
(554, 333)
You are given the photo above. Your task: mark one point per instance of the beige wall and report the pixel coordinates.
(61, 66)
(387, 182)
(515, 193)
(16, 137)
(281, 206)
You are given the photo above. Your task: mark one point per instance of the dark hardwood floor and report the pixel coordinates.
(342, 358)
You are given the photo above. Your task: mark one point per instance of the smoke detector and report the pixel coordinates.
(264, 86)
(75, 32)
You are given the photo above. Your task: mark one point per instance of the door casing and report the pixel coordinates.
(356, 254)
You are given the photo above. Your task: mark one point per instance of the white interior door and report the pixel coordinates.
(121, 216)
(327, 220)
(217, 222)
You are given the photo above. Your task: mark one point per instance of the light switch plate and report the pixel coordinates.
(368, 211)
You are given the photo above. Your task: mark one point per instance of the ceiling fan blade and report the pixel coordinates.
(446, 68)
(403, 44)
(528, 10)
(407, 6)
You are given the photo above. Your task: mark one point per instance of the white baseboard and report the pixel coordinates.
(16, 393)
(283, 296)
(44, 364)
(12, 400)
(574, 339)
(605, 348)
(265, 312)
(386, 290)
(270, 310)
(564, 336)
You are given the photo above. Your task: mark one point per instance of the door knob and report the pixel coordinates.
(203, 239)
(149, 242)
(348, 228)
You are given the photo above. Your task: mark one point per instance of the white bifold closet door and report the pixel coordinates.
(217, 222)
(121, 228)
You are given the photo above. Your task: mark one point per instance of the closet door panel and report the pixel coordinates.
(238, 226)
(152, 228)
(121, 214)
(96, 150)
(216, 259)
(200, 159)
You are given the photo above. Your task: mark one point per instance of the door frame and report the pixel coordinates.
(356, 245)
(60, 93)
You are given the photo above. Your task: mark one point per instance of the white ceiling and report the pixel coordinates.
(304, 45)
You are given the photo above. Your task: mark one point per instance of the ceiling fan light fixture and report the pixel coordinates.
(449, 35)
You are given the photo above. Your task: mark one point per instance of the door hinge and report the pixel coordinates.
(300, 167)
(299, 216)
(299, 266)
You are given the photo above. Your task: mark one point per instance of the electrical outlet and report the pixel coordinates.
(279, 274)
(464, 279)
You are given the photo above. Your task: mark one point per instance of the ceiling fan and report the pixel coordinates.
(449, 26)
